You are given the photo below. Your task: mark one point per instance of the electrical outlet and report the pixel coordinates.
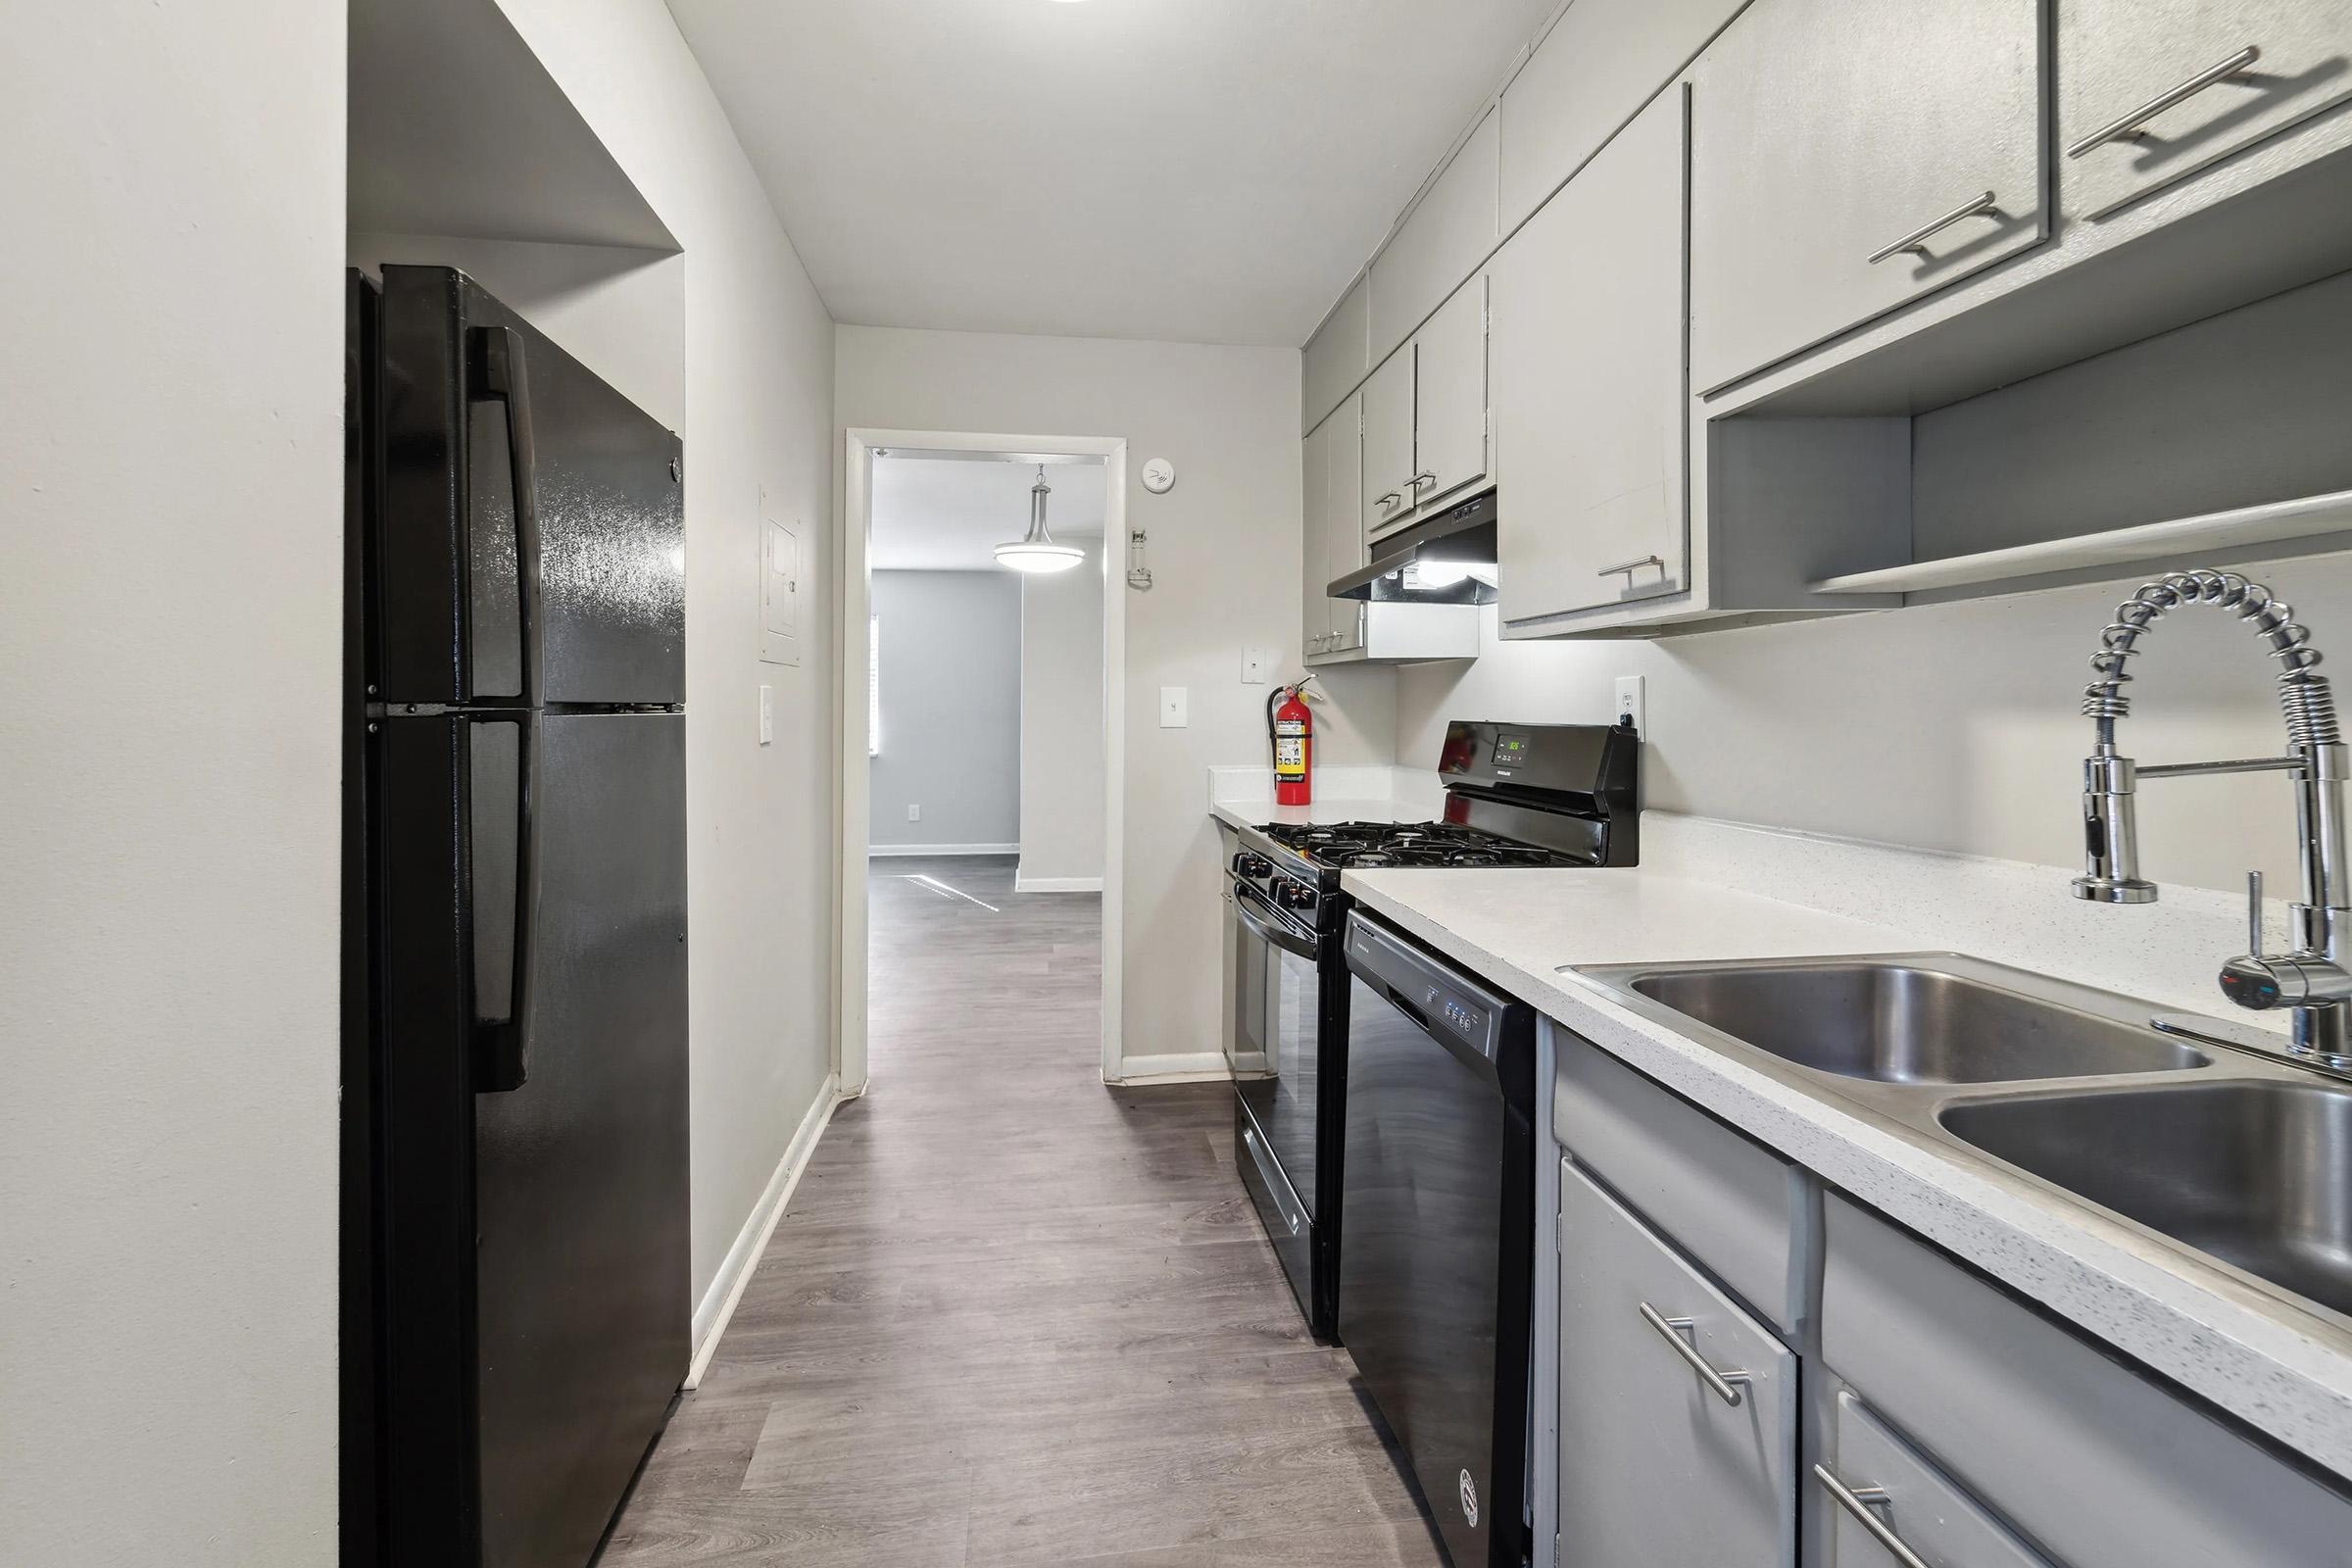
(767, 715)
(1253, 665)
(1173, 703)
(1630, 705)
(914, 814)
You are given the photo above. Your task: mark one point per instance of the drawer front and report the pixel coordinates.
(1723, 1200)
(1660, 1461)
(2101, 1465)
(1826, 132)
(2155, 71)
(1885, 1500)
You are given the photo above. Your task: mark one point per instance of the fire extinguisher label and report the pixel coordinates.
(1289, 754)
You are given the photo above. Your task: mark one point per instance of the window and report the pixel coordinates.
(874, 685)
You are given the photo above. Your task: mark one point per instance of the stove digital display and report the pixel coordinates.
(1510, 751)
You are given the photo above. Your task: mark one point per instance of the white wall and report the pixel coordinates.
(1949, 726)
(619, 310)
(170, 552)
(950, 709)
(757, 396)
(1062, 725)
(1224, 548)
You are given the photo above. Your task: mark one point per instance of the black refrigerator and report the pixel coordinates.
(515, 1269)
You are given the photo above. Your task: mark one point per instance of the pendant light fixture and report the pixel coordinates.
(1036, 550)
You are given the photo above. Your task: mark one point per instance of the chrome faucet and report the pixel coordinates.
(2313, 981)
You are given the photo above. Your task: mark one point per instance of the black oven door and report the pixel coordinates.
(1273, 1040)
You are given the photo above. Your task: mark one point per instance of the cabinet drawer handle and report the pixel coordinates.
(1628, 567)
(1864, 1504)
(1389, 499)
(1424, 477)
(1917, 239)
(1726, 1386)
(2129, 129)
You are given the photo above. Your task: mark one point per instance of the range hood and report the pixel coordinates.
(1444, 559)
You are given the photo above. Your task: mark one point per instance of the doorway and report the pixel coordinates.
(982, 735)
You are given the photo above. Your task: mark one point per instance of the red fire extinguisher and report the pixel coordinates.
(1291, 730)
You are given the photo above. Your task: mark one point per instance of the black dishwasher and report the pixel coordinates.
(1435, 1269)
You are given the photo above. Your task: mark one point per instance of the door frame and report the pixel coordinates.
(854, 817)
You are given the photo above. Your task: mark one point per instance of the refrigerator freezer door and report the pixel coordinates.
(535, 1261)
(580, 1174)
(488, 426)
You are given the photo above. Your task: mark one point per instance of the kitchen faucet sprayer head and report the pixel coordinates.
(2111, 833)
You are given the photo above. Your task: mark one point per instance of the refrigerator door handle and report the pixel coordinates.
(503, 374)
(502, 1045)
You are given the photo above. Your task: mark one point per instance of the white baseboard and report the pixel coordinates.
(943, 848)
(717, 1306)
(1056, 884)
(1175, 1067)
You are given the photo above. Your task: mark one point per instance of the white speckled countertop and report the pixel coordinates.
(1718, 891)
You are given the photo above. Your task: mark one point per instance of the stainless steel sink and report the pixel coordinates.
(2256, 1172)
(1911, 1020)
(2238, 1156)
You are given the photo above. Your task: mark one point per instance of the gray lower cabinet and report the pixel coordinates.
(1942, 1421)
(1678, 1410)
(1889, 1508)
(1849, 159)
(1589, 404)
(2099, 1464)
(2148, 93)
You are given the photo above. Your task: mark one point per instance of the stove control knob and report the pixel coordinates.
(1246, 865)
(1294, 897)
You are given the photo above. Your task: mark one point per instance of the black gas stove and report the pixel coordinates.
(1367, 845)
(1525, 795)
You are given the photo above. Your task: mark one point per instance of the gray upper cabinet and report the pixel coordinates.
(1449, 397)
(1590, 402)
(2152, 90)
(1596, 65)
(1344, 521)
(1387, 450)
(1338, 354)
(1849, 159)
(1678, 1410)
(1449, 234)
(1315, 511)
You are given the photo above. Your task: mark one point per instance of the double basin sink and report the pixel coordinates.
(2244, 1161)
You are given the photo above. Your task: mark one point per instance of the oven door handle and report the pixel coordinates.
(1287, 940)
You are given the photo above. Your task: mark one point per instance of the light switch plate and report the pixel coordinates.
(1253, 665)
(1173, 703)
(1630, 704)
(767, 715)
(914, 814)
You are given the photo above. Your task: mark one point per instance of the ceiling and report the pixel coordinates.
(1205, 170)
(947, 514)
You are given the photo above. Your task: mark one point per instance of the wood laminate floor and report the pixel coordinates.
(1013, 1316)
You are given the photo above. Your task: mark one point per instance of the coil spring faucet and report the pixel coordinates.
(2313, 981)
